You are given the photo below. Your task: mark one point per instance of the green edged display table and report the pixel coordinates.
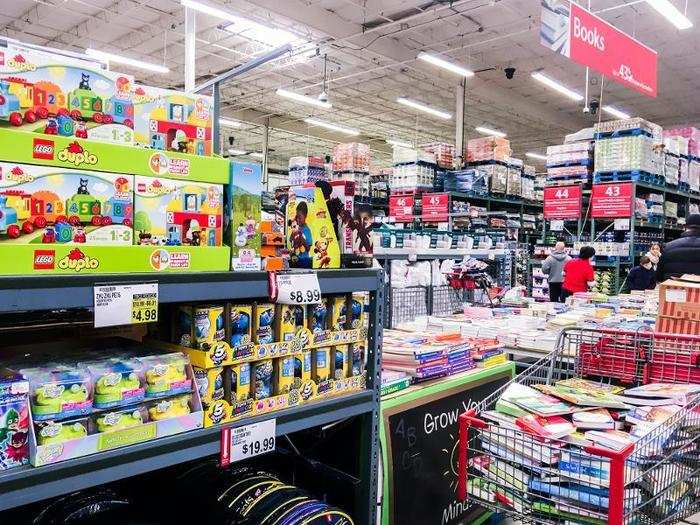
(419, 438)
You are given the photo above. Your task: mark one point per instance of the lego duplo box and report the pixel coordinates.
(177, 213)
(45, 92)
(679, 306)
(47, 205)
(243, 214)
(170, 120)
(311, 238)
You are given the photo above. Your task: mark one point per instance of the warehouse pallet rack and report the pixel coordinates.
(24, 485)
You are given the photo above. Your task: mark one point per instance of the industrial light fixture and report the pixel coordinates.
(489, 131)
(444, 64)
(229, 123)
(556, 86)
(257, 155)
(616, 112)
(111, 57)
(399, 143)
(209, 9)
(303, 98)
(422, 107)
(236, 152)
(332, 127)
(537, 156)
(671, 13)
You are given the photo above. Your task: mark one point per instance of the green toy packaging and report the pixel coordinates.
(288, 320)
(55, 432)
(243, 215)
(341, 368)
(118, 382)
(311, 237)
(321, 364)
(120, 419)
(238, 384)
(59, 391)
(284, 375)
(170, 407)
(46, 206)
(263, 321)
(166, 375)
(177, 213)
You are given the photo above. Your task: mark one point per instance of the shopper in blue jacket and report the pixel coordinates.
(642, 277)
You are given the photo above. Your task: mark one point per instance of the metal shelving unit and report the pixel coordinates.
(29, 484)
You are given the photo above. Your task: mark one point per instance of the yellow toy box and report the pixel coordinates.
(201, 327)
(241, 318)
(263, 322)
(338, 313)
(238, 383)
(341, 368)
(321, 364)
(317, 316)
(288, 320)
(302, 368)
(284, 375)
(311, 238)
(210, 383)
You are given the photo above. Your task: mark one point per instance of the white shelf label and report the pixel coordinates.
(622, 225)
(296, 288)
(247, 441)
(121, 304)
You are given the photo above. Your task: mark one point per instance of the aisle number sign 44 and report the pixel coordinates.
(562, 202)
(122, 304)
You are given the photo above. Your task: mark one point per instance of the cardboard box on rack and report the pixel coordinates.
(679, 306)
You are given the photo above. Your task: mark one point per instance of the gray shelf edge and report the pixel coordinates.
(67, 291)
(29, 484)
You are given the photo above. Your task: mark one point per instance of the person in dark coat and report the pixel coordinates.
(642, 277)
(682, 255)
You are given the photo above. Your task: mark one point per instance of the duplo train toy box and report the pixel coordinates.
(55, 94)
(170, 120)
(47, 205)
(177, 213)
(243, 215)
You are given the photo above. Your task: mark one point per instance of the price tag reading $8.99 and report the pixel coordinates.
(298, 288)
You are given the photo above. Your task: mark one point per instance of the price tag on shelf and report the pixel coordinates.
(295, 288)
(556, 225)
(622, 224)
(121, 304)
(247, 441)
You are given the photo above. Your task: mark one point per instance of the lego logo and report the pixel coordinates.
(44, 259)
(43, 149)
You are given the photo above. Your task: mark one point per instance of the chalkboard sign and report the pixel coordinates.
(421, 439)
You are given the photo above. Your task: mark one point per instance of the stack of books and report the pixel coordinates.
(536, 455)
(393, 381)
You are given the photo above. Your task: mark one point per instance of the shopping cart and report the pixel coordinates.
(653, 481)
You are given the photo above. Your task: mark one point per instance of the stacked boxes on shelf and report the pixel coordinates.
(650, 207)
(444, 153)
(351, 162)
(414, 169)
(470, 180)
(687, 145)
(514, 186)
(570, 163)
(303, 170)
(488, 148)
(275, 256)
(528, 183)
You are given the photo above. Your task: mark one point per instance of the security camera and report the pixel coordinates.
(323, 97)
(594, 105)
(230, 140)
(510, 72)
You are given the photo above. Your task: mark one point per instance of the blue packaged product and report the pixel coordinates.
(263, 320)
(318, 316)
(263, 382)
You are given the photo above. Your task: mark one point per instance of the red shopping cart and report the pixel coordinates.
(651, 481)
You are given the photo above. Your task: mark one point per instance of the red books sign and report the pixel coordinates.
(435, 207)
(562, 202)
(572, 31)
(401, 208)
(612, 200)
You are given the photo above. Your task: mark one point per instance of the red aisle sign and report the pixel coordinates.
(612, 200)
(401, 208)
(435, 207)
(591, 41)
(562, 202)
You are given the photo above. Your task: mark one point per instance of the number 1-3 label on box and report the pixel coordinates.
(122, 304)
(295, 288)
(247, 441)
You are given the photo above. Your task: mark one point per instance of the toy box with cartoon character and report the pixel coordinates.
(14, 419)
(311, 238)
(169, 120)
(53, 94)
(44, 205)
(243, 215)
(177, 213)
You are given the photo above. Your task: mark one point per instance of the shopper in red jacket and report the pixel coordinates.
(578, 273)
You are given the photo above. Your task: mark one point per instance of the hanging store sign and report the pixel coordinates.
(612, 200)
(578, 34)
(401, 208)
(435, 207)
(562, 202)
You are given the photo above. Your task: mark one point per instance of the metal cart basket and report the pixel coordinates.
(652, 481)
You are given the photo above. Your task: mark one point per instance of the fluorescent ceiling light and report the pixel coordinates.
(556, 86)
(671, 12)
(332, 127)
(444, 64)
(303, 98)
(537, 156)
(229, 123)
(257, 155)
(489, 131)
(422, 107)
(111, 57)
(399, 143)
(236, 152)
(616, 112)
(208, 9)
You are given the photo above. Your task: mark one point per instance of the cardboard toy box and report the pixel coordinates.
(311, 238)
(45, 205)
(14, 419)
(679, 306)
(170, 120)
(243, 215)
(48, 93)
(177, 213)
